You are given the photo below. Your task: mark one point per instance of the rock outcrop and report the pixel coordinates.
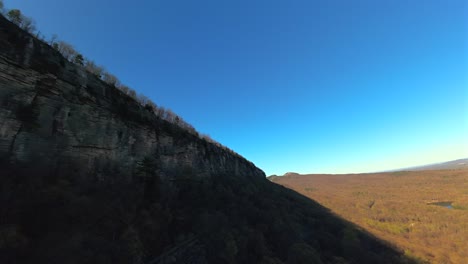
(74, 187)
(56, 118)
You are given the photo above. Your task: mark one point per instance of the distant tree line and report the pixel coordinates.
(72, 55)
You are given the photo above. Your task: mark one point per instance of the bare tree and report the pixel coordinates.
(132, 93)
(91, 67)
(127, 90)
(183, 124)
(152, 106)
(110, 79)
(123, 88)
(191, 129)
(170, 116)
(160, 112)
(53, 39)
(69, 52)
(143, 99)
(40, 36)
(28, 24)
(207, 138)
(66, 50)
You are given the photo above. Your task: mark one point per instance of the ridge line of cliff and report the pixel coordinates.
(73, 107)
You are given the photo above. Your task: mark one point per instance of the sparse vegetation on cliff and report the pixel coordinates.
(105, 181)
(24, 22)
(72, 55)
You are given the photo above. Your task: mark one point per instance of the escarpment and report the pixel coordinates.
(88, 175)
(60, 119)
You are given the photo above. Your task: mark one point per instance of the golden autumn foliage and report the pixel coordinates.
(399, 207)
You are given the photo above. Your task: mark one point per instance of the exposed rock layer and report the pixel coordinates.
(57, 118)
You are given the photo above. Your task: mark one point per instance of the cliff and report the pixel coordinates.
(87, 175)
(59, 119)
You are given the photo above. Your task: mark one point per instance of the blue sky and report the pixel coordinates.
(305, 86)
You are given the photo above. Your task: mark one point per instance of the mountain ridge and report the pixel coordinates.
(90, 176)
(445, 165)
(87, 124)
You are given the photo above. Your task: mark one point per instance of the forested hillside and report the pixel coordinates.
(90, 175)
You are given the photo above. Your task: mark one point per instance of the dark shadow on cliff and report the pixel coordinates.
(54, 211)
(187, 220)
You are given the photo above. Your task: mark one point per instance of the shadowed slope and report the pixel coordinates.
(233, 220)
(88, 176)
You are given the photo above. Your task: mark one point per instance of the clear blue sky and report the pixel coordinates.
(306, 86)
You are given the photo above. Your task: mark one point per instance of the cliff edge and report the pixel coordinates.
(60, 119)
(88, 175)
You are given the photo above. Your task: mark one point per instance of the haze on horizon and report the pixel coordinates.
(303, 86)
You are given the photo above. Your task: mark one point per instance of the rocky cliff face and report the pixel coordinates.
(69, 149)
(56, 118)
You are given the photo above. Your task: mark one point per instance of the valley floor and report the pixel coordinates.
(399, 207)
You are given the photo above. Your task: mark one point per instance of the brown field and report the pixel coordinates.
(395, 207)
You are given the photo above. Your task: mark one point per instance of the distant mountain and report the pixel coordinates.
(448, 165)
(274, 176)
(291, 174)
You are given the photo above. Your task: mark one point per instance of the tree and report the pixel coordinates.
(151, 106)
(302, 253)
(40, 36)
(53, 40)
(160, 112)
(143, 99)
(91, 67)
(20, 20)
(78, 59)
(15, 16)
(207, 138)
(66, 50)
(132, 93)
(28, 24)
(123, 88)
(191, 129)
(170, 116)
(110, 79)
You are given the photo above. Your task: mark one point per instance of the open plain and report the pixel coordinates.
(424, 213)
